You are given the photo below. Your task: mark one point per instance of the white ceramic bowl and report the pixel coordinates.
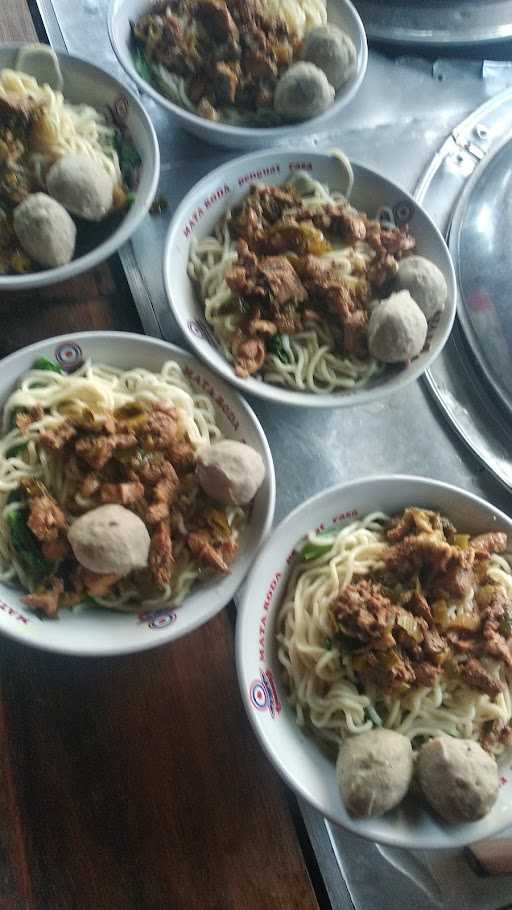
(85, 83)
(99, 632)
(224, 188)
(296, 756)
(340, 12)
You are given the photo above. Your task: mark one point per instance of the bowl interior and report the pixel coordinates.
(340, 12)
(85, 83)
(297, 756)
(225, 188)
(97, 631)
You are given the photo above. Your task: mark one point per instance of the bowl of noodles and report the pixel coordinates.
(102, 435)
(79, 166)
(380, 612)
(243, 74)
(279, 265)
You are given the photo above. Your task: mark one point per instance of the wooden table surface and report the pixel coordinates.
(134, 782)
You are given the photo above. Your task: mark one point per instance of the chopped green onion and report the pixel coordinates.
(141, 65)
(275, 345)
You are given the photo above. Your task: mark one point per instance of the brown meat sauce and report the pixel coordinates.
(398, 627)
(281, 285)
(228, 52)
(140, 459)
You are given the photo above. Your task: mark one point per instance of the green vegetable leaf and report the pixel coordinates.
(141, 65)
(506, 625)
(129, 159)
(44, 363)
(314, 550)
(27, 547)
(245, 307)
(16, 450)
(275, 346)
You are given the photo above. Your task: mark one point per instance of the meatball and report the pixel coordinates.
(331, 49)
(458, 778)
(110, 539)
(45, 230)
(230, 472)
(397, 329)
(303, 91)
(425, 283)
(374, 771)
(82, 186)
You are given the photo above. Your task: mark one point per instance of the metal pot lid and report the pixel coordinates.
(437, 22)
(464, 385)
(480, 238)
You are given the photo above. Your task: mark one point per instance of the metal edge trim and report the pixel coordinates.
(51, 24)
(433, 388)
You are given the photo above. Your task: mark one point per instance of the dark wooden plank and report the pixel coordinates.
(16, 22)
(91, 301)
(142, 786)
(133, 783)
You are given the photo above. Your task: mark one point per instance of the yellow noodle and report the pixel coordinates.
(102, 388)
(320, 678)
(314, 365)
(62, 128)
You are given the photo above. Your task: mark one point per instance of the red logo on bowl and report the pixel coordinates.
(5, 608)
(204, 383)
(199, 213)
(69, 356)
(403, 213)
(158, 619)
(263, 694)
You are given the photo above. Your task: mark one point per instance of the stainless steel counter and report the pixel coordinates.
(404, 111)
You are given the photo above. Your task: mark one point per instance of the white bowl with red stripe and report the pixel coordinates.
(226, 187)
(94, 632)
(341, 13)
(85, 83)
(297, 755)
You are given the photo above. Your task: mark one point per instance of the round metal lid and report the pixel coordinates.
(437, 22)
(480, 244)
